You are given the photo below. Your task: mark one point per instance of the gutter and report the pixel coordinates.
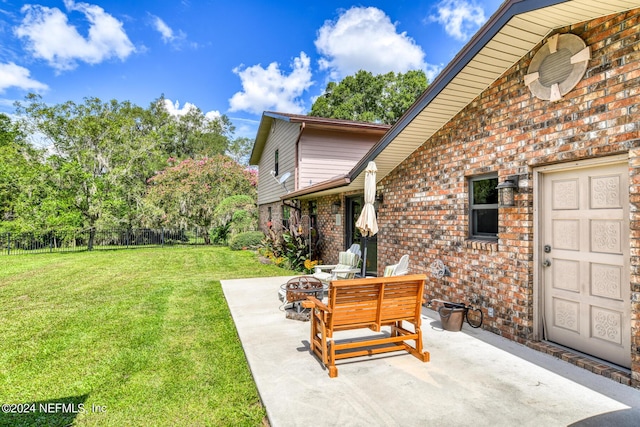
(330, 184)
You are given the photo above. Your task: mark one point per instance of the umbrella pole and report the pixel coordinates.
(364, 257)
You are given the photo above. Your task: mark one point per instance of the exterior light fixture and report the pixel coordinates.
(335, 207)
(378, 201)
(506, 191)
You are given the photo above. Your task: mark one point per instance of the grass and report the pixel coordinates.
(139, 337)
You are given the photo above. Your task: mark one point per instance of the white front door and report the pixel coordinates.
(584, 253)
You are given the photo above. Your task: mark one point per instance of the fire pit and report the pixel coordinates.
(297, 290)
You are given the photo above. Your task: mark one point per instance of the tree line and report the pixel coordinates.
(114, 164)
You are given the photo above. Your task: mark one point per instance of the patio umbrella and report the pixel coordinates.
(367, 223)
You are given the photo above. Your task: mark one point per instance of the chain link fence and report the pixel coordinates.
(95, 239)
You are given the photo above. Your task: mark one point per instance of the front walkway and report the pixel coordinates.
(474, 378)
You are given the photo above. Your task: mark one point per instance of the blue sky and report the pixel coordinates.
(237, 57)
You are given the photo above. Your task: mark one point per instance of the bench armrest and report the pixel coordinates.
(313, 302)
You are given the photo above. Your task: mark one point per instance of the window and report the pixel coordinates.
(286, 214)
(483, 207)
(313, 212)
(275, 166)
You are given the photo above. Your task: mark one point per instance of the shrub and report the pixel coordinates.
(219, 235)
(248, 239)
(288, 249)
(234, 215)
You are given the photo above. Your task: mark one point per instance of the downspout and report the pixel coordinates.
(296, 169)
(292, 206)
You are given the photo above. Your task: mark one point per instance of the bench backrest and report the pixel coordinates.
(375, 302)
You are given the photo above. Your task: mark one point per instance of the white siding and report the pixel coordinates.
(325, 154)
(282, 137)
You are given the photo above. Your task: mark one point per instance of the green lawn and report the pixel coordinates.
(139, 337)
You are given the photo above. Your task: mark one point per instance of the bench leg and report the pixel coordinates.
(333, 372)
(416, 349)
(318, 337)
(312, 341)
(323, 338)
(331, 365)
(394, 328)
(418, 352)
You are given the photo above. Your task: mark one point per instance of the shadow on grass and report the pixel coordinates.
(51, 413)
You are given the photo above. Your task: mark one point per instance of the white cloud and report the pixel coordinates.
(12, 75)
(431, 71)
(364, 38)
(460, 18)
(4, 102)
(174, 109)
(270, 89)
(163, 29)
(212, 115)
(51, 37)
(167, 33)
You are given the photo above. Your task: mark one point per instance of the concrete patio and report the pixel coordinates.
(474, 378)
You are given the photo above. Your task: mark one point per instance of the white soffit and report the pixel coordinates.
(514, 40)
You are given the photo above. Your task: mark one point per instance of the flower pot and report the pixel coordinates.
(452, 316)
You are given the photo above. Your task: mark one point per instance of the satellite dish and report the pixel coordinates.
(439, 270)
(284, 177)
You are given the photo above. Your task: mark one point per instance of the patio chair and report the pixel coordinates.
(399, 269)
(346, 268)
(355, 249)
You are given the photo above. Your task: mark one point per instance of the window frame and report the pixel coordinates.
(313, 213)
(276, 163)
(475, 207)
(286, 215)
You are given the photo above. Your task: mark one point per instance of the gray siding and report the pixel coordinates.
(282, 137)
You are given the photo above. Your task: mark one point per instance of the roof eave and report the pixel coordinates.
(322, 188)
(268, 118)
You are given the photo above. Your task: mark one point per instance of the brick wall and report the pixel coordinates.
(507, 130)
(332, 234)
(276, 216)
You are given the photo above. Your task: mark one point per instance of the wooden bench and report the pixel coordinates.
(368, 303)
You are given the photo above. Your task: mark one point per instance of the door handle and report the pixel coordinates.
(546, 263)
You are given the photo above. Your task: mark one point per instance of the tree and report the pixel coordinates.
(365, 97)
(187, 193)
(240, 149)
(19, 166)
(11, 164)
(99, 160)
(192, 134)
(234, 215)
(47, 200)
(103, 154)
